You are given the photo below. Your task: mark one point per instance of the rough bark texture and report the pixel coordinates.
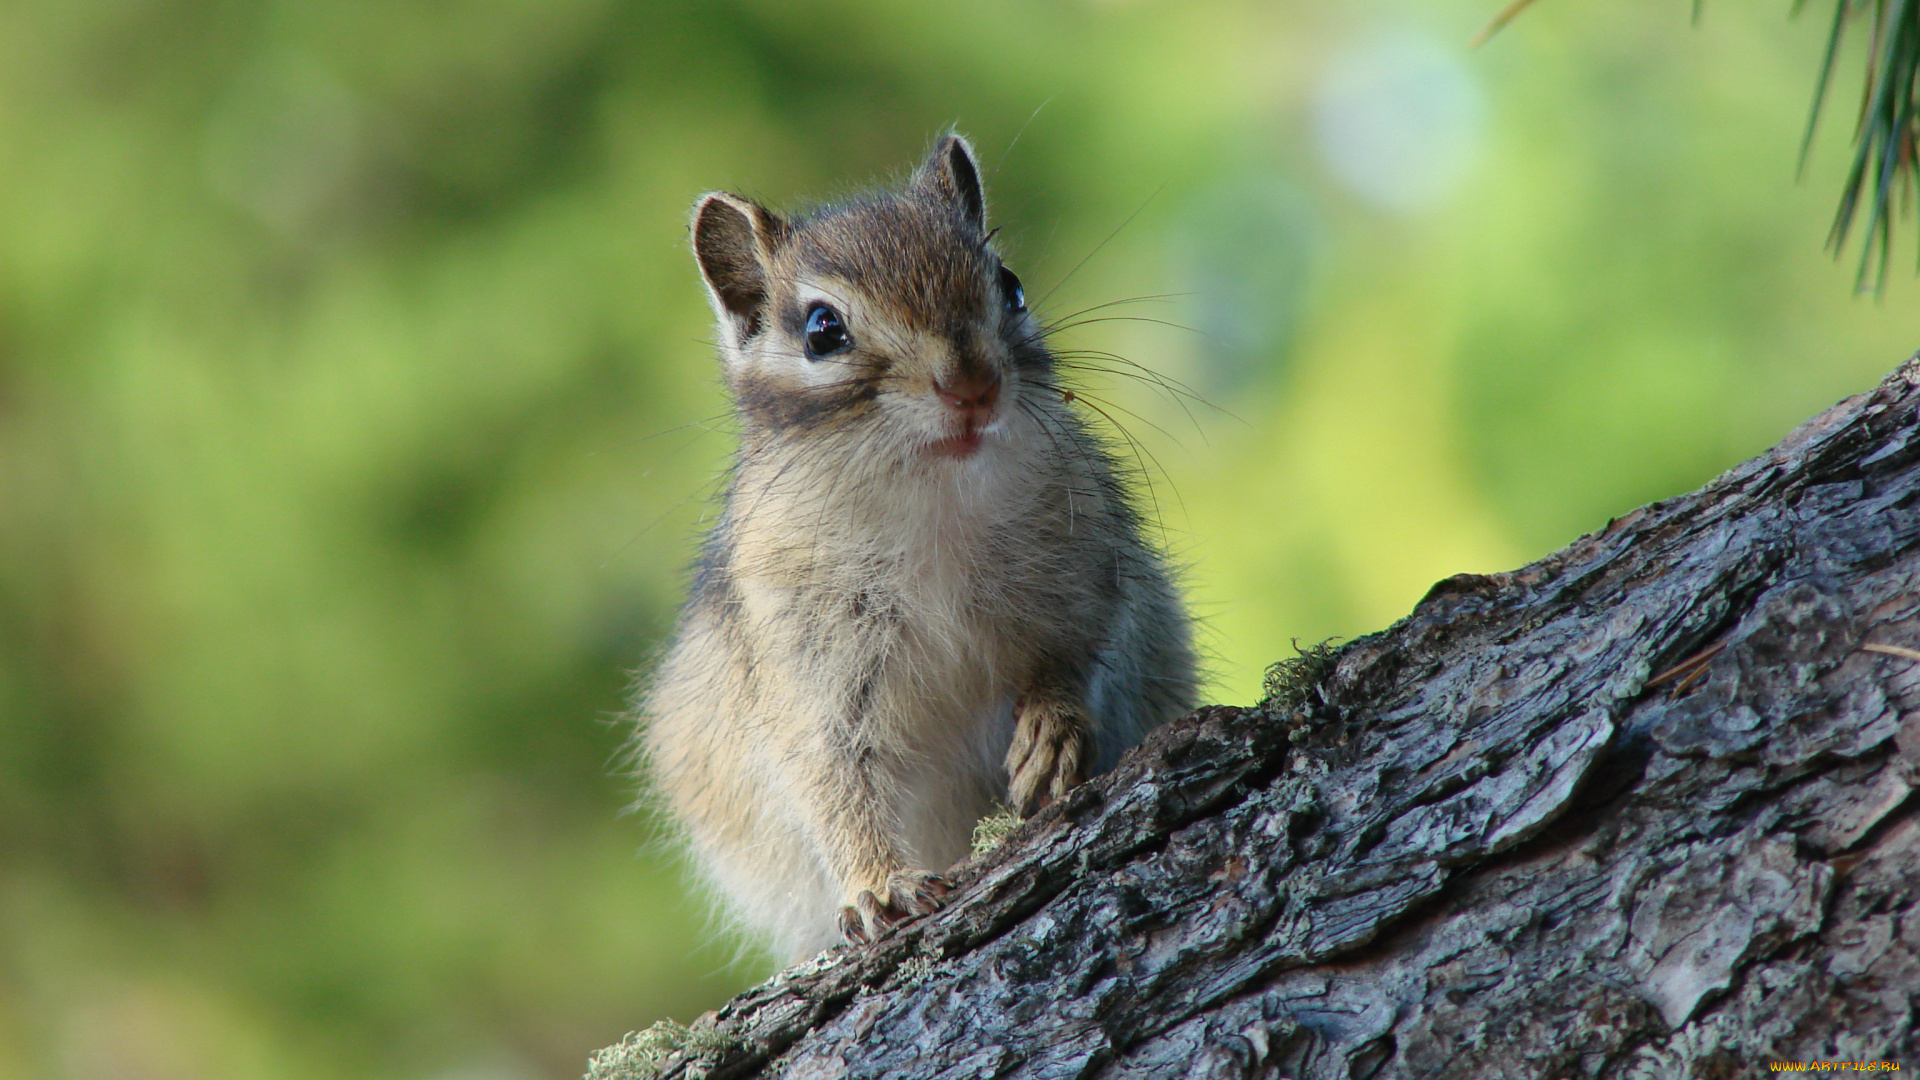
(1491, 840)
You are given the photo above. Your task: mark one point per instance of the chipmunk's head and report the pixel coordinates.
(887, 320)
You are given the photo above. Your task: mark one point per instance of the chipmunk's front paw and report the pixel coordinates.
(909, 893)
(1046, 759)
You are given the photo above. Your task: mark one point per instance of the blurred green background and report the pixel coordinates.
(357, 417)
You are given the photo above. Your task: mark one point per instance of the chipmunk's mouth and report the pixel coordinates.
(961, 446)
(966, 436)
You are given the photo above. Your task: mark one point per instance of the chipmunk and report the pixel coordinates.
(927, 591)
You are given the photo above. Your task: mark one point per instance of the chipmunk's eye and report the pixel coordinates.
(1011, 293)
(826, 333)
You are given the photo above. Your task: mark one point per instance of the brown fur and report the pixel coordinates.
(885, 639)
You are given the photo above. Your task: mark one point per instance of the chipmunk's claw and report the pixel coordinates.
(909, 893)
(852, 927)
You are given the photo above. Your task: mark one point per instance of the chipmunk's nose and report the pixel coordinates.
(969, 392)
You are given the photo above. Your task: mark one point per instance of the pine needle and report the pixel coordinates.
(1886, 133)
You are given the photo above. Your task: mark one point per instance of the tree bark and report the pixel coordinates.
(1645, 807)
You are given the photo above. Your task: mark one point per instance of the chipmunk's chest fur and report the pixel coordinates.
(915, 604)
(898, 624)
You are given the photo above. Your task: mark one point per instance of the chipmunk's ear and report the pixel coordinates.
(951, 176)
(734, 240)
